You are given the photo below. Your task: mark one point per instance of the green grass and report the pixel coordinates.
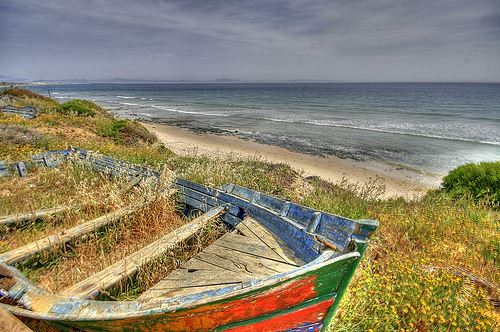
(480, 181)
(406, 280)
(124, 131)
(79, 107)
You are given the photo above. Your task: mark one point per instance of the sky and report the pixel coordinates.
(251, 40)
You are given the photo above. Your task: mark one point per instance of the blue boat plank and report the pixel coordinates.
(271, 203)
(300, 214)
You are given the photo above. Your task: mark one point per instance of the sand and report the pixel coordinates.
(398, 181)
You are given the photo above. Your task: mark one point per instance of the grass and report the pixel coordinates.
(79, 260)
(476, 180)
(67, 185)
(79, 107)
(124, 131)
(407, 281)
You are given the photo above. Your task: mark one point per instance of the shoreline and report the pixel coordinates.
(399, 181)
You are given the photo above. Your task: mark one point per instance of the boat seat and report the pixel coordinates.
(249, 252)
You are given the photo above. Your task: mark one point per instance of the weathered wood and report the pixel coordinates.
(230, 260)
(66, 235)
(240, 262)
(131, 184)
(28, 112)
(9, 323)
(252, 228)
(5, 169)
(251, 246)
(21, 217)
(188, 281)
(128, 266)
(110, 165)
(22, 170)
(302, 243)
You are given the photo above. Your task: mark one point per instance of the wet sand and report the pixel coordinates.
(398, 181)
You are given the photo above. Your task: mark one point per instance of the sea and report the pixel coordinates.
(427, 127)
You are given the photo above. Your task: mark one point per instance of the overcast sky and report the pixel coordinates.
(270, 40)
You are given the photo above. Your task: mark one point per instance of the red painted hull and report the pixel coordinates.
(213, 316)
(307, 319)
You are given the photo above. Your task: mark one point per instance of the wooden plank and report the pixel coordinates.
(9, 323)
(188, 281)
(131, 184)
(21, 217)
(251, 246)
(230, 260)
(240, 262)
(128, 266)
(66, 235)
(22, 170)
(303, 244)
(252, 228)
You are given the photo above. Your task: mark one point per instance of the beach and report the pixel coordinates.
(429, 128)
(399, 181)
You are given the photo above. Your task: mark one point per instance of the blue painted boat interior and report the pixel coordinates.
(306, 231)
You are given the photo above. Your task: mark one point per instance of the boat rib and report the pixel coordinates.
(22, 217)
(92, 286)
(66, 235)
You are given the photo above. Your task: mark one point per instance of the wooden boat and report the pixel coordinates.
(281, 266)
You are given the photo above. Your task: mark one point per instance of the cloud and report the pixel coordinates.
(374, 40)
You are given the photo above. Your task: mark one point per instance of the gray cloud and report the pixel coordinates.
(375, 40)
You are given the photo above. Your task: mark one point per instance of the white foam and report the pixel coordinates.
(168, 109)
(129, 104)
(386, 131)
(125, 97)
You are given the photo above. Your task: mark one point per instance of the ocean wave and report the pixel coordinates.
(125, 97)
(130, 104)
(329, 124)
(168, 109)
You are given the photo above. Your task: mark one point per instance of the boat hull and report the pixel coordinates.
(300, 303)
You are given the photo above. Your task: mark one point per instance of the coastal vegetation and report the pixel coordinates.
(79, 107)
(432, 265)
(479, 181)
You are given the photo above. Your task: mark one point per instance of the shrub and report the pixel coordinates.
(110, 127)
(133, 132)
(476, 180)
(80, 107)
(125, 131)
